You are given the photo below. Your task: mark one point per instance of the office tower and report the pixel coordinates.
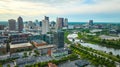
(40, 23)
(31, 25)
(59, 39)
(12, 24)
(19, 38)
(36, 21)
(45, 25)
(47, 18)
(37, 25)
(20, 24)
(2, 27)
(90, 22)
(48, 38)
(26, 26)
(53, 24)
(60, 23)
(66, 22)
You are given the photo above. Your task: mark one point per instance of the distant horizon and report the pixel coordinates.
(78, 22)
(74, 10)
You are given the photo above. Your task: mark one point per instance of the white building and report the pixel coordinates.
(45, 26)
(65, 22)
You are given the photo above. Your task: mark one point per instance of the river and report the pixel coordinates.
(97, 47)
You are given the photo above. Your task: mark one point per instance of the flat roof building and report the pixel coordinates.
(20, 24)
(59, 39)
(15, 47)
(12, 24)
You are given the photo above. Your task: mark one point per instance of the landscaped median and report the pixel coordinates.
(71, 57)
(65, 37)
(94, 56)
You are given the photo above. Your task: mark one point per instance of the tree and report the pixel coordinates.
(37, 52)
(73, 40)
(30, 53)
(7, 46)
(110, 53)
(0, 65)
(118, 56)
(8, 65)
(25, 54)
(16, 66)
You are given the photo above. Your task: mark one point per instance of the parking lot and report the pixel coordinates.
(44, 58)
(31, 60)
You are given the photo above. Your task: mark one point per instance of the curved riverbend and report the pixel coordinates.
(97, 47)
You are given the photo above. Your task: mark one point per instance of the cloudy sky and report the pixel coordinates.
(74, 10)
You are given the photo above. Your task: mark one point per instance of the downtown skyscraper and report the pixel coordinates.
(65, 22)
(45, 25)
(59, 39)
(20, 24)
(60, 23)
(12, 24)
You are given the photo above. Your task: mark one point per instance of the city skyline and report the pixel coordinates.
(74, 10)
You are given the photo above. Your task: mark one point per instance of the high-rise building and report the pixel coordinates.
(2, 27)
(59, 39)
(31, 25)
(40, 23)
(60, 23)
(53, 24)
(12, 24)
(37, 23)
(66, 22)
(47, 18)
(45, 25)
(90, 22)
(20, 24)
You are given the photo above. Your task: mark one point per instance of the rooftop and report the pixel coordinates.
(59, 50)
(28, 60)
(2, 46)
(52, 65)
(46, 46)
(39, 41)
(81, 63)
(20, 45)
(109, 37)
(72, 64)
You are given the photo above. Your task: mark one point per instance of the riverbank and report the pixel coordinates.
(93, 55)
(94, 46)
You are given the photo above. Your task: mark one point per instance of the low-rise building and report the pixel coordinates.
(2, 27)
(95, 30)
(38, 43)
(81, 63)
(109, 37)
(59, 52)
(46, 49)
(2, 49)
(52, 65)
(18, 38)
(24, 61)
(3, 39)
(21, 46)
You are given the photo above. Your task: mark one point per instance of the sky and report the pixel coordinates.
(74, 10)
